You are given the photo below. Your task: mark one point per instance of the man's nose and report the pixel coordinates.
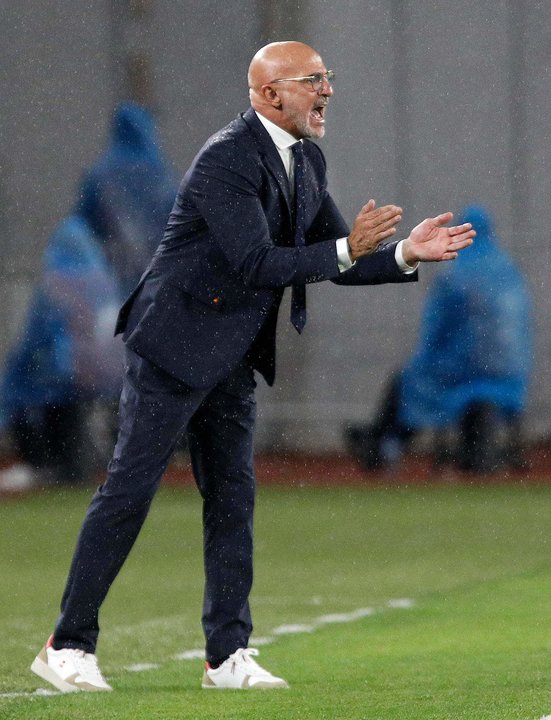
(326, 88)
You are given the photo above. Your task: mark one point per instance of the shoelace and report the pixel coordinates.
(245, 655)
(87, 666)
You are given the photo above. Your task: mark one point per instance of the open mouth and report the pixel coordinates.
(318, 113)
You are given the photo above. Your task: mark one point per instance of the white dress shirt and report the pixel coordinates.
(283, 142)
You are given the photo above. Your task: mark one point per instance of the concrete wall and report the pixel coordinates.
(436, 103)
(57, 80)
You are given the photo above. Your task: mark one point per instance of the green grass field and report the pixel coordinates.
(475, 645)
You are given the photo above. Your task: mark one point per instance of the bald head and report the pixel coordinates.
(279, 60)
(293, 105)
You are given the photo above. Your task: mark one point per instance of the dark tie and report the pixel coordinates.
(298, 296)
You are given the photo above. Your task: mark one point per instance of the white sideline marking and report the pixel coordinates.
(292, 629)
(545, 717)
(345, 617)
(334, 618)
(401, 603)
(39, 692)
(259, 641)
(198, 654)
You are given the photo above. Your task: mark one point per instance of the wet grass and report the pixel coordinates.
(476, 644)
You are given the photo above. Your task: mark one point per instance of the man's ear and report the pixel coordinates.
(270, 95)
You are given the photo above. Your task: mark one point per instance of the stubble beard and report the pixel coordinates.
(304, 128)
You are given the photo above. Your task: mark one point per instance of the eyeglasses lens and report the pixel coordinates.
(318, 79)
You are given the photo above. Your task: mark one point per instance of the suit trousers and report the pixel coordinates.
(155, 409)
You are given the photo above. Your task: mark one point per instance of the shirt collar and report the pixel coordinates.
(281, 138)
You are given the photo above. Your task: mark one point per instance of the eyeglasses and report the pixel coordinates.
(316, 80)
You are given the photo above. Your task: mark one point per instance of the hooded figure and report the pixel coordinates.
(66, 354)
(472, 364)
(476, 337)
(128, 194)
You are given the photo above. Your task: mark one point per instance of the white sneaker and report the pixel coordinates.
(18, 478)
(69, 670)
(241, 672)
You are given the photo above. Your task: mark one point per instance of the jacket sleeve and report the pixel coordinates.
(375, 269)
(379, 267)
(225, 185)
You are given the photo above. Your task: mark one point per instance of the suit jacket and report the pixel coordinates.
(211, 293)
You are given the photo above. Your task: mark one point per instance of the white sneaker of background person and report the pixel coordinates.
(69, 670)
(240, 672)
(18, 478)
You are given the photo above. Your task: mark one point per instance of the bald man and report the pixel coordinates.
(252, 217)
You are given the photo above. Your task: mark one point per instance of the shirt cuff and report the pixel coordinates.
(402, 264)
(343, 256)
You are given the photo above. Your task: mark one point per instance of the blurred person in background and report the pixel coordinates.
(65, 358)
(128, 193)
(471, 368)
(62, 380)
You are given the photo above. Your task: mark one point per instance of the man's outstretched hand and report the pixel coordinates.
(430, 241)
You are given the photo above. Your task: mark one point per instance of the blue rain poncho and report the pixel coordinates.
(128, 194)
(66, 351)
(476, 336)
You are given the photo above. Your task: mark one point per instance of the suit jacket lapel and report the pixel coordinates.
(269, 154)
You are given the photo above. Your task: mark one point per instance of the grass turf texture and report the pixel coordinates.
(477, 645)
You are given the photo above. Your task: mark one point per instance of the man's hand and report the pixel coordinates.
(431, 242)
(371, 227)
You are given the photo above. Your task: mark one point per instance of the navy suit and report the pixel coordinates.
(201, 319)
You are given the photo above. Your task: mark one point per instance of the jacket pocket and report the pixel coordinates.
(201, 298)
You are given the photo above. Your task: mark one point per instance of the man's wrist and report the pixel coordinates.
(403, 265)
(344, 260)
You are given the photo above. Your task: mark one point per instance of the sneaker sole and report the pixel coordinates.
(43, 670)
(254, 687)
(208, 684)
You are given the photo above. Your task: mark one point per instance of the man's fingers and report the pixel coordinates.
(381, 216)
(384, 210)
(390, 222)
(382, 234)
(443, 219)
(459, 241)
(389, 210)
(460, 245)
(458, 229)
(368, 208)
(381, 228)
